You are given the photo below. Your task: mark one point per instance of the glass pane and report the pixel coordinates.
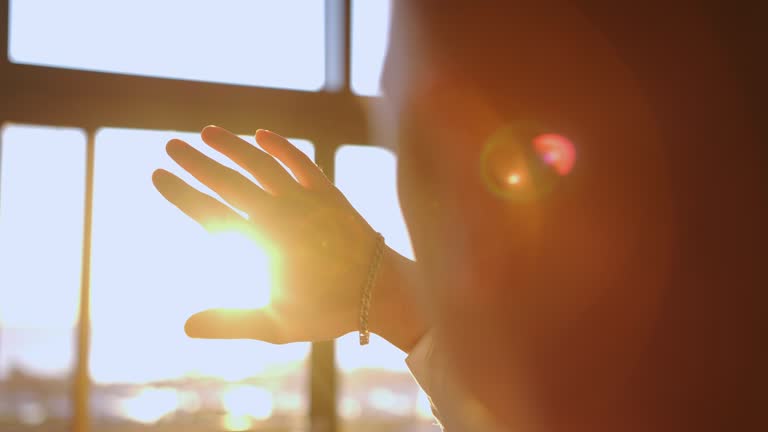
(42, 188)
(247, 42)
(370, 34)
(377, 390)
(152, 268)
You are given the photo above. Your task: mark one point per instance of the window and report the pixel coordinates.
(370, 31)
(247, 42)
(143, 373)
(41, 233)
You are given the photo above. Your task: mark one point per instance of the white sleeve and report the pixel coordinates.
(424, 371)
(452, 408)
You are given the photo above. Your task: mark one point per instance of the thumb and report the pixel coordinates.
(234, 324)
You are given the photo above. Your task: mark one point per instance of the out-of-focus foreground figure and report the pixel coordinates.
(617, 290)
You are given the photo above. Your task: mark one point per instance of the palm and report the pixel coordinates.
(319, 244)
(320, 261)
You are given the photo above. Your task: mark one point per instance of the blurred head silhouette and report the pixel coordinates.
(571, 198)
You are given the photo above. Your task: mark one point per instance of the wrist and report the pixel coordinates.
(370, 281)
(393, 313)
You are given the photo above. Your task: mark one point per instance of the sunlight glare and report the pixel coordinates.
(150, 405)
(235, 423)
(243, 270)
(248, 400)
(178, 269)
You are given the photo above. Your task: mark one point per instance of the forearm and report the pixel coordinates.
(394, 314)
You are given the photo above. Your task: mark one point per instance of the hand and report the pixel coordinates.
(321, 247)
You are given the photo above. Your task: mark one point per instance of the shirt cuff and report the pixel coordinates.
(424, 370)
(459, 413)
(419, 362)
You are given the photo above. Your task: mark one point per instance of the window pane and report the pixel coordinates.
(152, 268)
(377, 391)
(246, 42)
(42, 187)
(370, 34)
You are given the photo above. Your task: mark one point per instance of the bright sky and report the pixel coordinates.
(151, 265)
(265, 43)
(249, 42)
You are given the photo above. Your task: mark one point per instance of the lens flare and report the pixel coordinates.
(521, 163)
(513, 179)
(556, 151)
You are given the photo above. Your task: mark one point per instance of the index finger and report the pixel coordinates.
(204, 209)
(261, 165)
(307, 172)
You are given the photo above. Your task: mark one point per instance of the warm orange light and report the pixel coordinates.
(513, 179)
(521, 164)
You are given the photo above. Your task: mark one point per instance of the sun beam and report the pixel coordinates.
(243, 271)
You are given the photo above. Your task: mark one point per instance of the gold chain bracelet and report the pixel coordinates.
(365, 303)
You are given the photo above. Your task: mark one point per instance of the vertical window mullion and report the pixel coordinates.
(347, 34)
(338, 43)
(2, 123)
(322, 374)
(335, 77)
(4, 26)
(82, 382)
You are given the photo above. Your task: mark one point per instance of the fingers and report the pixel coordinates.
(308, 174)
(261, 165)
(204, 209)
(234, 324)
(228, 183)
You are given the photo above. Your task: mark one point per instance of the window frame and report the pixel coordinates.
(93, 100)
